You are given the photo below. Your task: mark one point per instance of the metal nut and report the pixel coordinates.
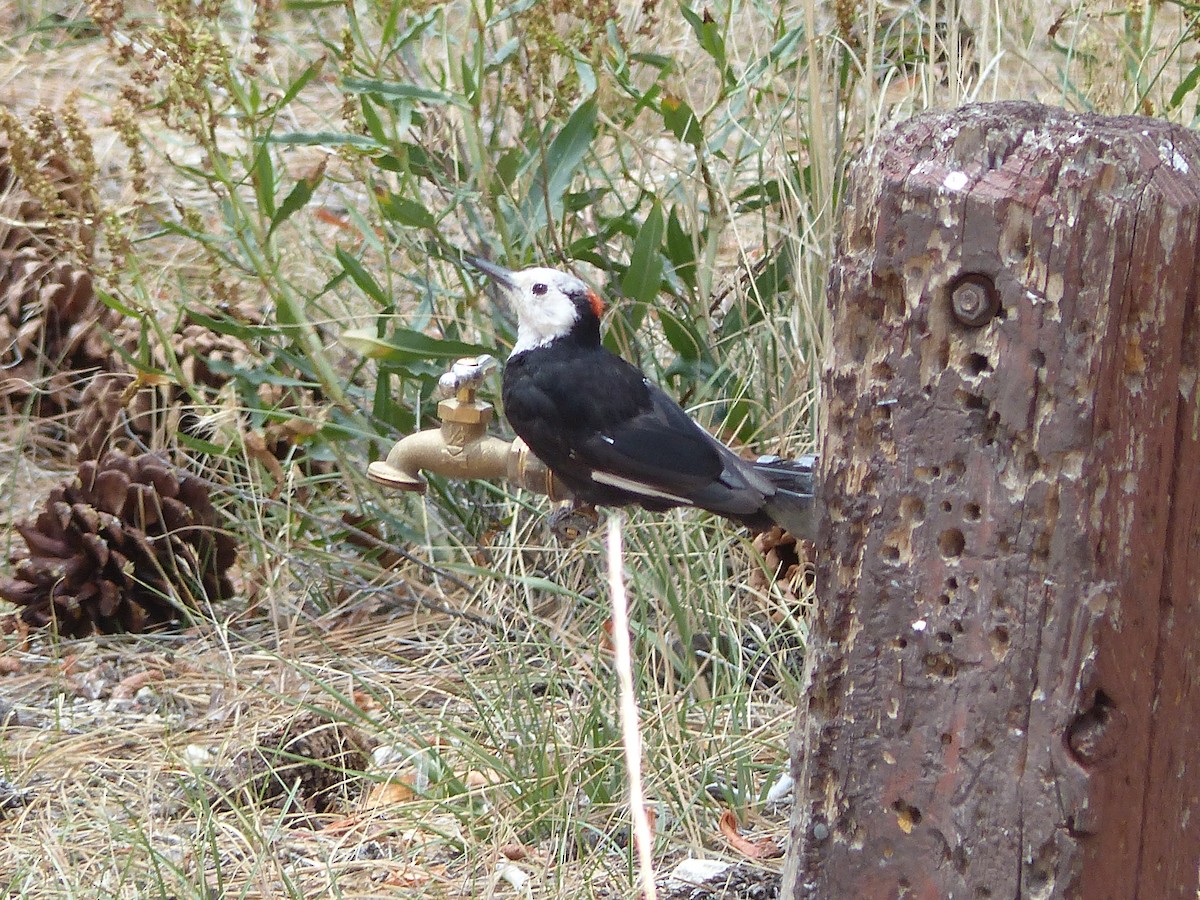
(475, 413)
(974, 300)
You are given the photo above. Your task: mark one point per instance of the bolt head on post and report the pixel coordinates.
(974, 299)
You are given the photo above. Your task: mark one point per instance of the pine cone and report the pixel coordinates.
(121, 410)
(782, 554)
(48, 330)
(51, 323)
(309, 758)
(128, 544)
(110, 416)
(118, 412)
(43, 203)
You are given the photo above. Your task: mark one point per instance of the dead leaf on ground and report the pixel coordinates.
(366, 702)
(130, 685)
(477, 779)
(411, 876)
(9, 665)
(518, 852)
(391, 792)
(763, 848)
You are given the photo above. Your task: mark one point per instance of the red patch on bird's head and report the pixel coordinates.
(595, 303)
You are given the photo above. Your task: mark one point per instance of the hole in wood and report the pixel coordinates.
(1038, 358)
(998, 640)
(977, 363)
(912, 508)
(945, 637)
(972, 512)
(947, 506)
(1097, 733)
(990, 428)
(969, 401)
(940, 665)
(890, 553)
(907, 815)
(951, 542)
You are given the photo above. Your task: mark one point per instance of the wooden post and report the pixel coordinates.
(1004, 697)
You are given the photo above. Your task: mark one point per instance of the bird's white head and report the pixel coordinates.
(549, 304)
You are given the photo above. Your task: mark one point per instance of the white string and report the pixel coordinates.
(631, 737)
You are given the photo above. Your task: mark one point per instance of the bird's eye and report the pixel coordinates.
(539, 289)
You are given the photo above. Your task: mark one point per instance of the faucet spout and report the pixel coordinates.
(484, 456)
(461, 447)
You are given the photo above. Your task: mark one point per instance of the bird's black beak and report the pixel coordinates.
(498, 274)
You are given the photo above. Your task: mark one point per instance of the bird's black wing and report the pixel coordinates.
(660, 447)
(614, 438)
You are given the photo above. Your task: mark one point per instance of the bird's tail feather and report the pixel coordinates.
(793, 506)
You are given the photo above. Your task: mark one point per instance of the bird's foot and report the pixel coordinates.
(572, 520)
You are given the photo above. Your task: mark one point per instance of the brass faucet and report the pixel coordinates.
(461, 447)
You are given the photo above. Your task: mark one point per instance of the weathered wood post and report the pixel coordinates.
(1005, 698)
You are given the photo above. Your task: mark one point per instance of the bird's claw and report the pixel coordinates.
(572, 520)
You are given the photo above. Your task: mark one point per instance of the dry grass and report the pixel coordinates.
(474, 663)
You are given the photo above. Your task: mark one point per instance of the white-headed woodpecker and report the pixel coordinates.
(608, 434)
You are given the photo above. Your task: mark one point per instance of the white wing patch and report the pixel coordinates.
(636, 487)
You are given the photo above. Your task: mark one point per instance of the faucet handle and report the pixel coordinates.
(465, 376)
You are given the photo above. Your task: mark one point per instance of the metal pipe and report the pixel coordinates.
(461, 447)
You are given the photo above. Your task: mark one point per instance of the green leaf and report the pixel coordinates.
(643, 278)
(113, 303)
(264, 180)
(407, 212)
(231, 327)
(563, 158)
(297, 198)
(708, 32)
(405, 345)
(302, 80)
(682, 337)
(1186, 86)
(680, 250)
(360, 276)
(373, 122)
(763, 193)
(681, 119)
(398, 91)
(326, 139)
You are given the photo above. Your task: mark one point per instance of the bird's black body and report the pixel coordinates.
(609, 435)
(623, 426)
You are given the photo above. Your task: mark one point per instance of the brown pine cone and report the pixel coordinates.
(119, 412)
(43, 203)
(49, 330)
(309, 759)
(130, 543)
